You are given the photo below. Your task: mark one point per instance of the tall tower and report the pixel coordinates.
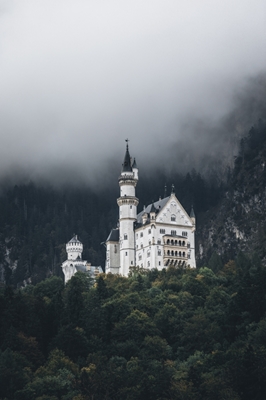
(127, 203)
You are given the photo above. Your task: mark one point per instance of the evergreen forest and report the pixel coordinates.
(174, 334)
(188, 334)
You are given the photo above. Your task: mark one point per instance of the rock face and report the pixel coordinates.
(238, 223)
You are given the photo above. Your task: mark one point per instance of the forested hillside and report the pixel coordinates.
(238, 221)
(174, 334)
(37, 221)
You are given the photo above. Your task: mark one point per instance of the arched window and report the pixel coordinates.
(184, 254)
(173, 217)
(168, 252)
(180, 254)
(115, 248)
(179, 242)
(168, 241)
(172, 253)
(176, 253)
(183, 243)
(125, 236)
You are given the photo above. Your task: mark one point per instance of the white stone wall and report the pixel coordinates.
(112, 263)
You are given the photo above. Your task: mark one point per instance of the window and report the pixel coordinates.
(126, 253)
(130, 207)
(173, 233)
(159, 241)
(141, 235)
(148, 253)
(188, 245)
(149, 264)
(149, 231)
(131, 262)
(159, 253)
(173, 217)
(140, 257)
(125, 236)
(184, 234)
(149, 242)
(115, 248)
(162, 231)
(159, 262)
(137, 235)
(141, 245)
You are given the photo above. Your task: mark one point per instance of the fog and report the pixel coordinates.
(182, 80)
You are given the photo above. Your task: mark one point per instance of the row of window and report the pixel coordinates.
(173, 233)
(162, 231)
(177, 243)
(176, 253)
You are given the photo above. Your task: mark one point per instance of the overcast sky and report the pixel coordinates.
(79, 77)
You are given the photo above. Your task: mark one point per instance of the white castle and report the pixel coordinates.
(161, 235)
(74, 262)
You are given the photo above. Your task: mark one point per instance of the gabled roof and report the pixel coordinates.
(113, 236)
(158, 206)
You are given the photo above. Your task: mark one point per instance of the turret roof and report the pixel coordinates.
(153, 209)
(134, 165)
(126, 167)
(74, 239)
(113, 236)
(192, 214)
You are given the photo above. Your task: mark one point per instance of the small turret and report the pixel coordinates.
(74, 249)
(153, 212)
(135, 169)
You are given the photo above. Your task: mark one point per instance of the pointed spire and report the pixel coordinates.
(173, 188)
(192, 214)
(134, 165)
(165, 191)
(126, 166)
(153, 209)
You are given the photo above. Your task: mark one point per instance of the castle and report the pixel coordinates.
(161, 235)
(74, 262)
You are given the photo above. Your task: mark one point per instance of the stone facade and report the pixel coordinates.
(162, 234)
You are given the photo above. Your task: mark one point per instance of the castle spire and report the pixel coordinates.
(126, 166)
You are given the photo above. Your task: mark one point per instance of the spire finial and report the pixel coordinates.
(127, 140)
(173, 188)
(165, 190)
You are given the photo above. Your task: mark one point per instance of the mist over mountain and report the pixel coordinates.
(180, 80)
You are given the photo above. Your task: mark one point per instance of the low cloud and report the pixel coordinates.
(181, 80)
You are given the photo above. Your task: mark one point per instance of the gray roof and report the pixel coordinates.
(134, 165)
(127, 162)
(113, 236)
(158, 205)
(74, 239)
